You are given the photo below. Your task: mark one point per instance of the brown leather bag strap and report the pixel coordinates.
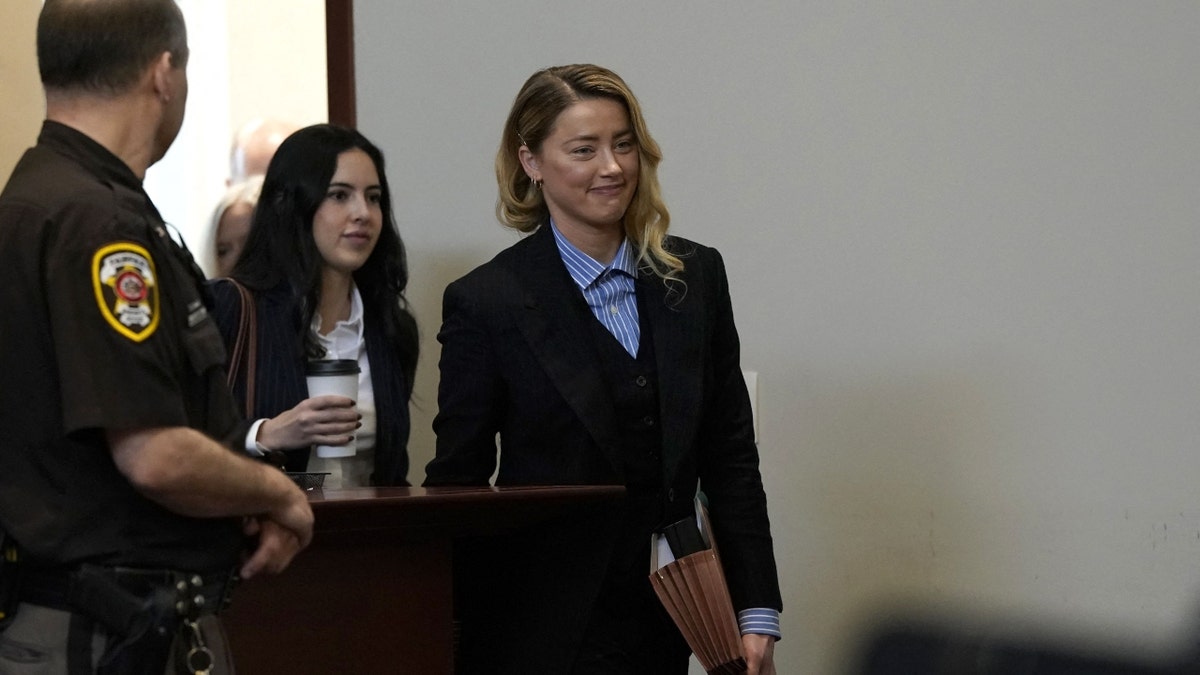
(242, 358)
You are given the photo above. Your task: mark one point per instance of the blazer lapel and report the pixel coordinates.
(553, 322)
(381, 355)
(678, 352)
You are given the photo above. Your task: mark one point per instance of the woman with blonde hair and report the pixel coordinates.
(601, 350)
(229, 227)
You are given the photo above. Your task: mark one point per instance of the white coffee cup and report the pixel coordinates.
(336, 377)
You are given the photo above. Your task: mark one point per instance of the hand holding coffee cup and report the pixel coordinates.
(337, 377)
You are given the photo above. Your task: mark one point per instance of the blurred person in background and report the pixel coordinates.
(229, 226)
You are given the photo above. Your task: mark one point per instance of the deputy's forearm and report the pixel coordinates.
(193, 475)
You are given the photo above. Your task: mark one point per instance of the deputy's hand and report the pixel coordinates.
(320, 420)
(283, 531)
(760, 654)
(294, 514)
(277, 546)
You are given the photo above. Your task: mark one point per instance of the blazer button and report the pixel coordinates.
(671, 495)
(641, 380)
(648, 420)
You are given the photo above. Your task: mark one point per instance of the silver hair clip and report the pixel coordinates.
(522, 139)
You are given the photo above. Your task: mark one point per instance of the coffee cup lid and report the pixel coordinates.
(331, 367)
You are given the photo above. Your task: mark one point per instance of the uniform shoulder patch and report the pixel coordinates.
(126, 285)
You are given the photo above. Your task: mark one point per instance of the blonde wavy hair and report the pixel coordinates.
(545, 95)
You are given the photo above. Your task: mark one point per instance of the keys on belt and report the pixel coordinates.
(198, 660)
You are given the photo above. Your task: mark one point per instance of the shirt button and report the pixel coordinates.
(613, 309)
(641, 380)
(648, 420)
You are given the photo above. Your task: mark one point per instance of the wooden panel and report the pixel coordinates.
(339, 48)
(375, 590)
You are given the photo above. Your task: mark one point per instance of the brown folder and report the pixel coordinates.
(694, 592)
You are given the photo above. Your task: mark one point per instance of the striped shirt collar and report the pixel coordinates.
(584, 269)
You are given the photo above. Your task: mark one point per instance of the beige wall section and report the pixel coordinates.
(20, 88)
(276, 54)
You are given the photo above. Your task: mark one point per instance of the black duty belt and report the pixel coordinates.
(144, 610)
(117, 595)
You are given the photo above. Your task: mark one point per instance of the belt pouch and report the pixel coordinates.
(140, 627)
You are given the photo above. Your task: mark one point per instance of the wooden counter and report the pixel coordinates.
(374, 592)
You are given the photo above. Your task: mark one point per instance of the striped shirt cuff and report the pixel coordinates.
(760, 620)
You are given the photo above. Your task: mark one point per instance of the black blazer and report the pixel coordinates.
(518, 360)
(280, 382)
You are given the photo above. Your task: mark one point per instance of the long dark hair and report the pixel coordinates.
(280, 247)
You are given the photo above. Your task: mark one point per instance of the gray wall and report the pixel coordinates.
(962, 242)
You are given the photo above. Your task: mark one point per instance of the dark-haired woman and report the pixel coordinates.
(325, 269)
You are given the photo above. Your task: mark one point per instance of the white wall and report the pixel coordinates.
(264, 58)
(962, 241)
(277, 65)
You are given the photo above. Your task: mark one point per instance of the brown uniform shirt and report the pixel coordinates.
(102, 326)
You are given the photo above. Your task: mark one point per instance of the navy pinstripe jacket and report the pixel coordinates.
(280, 384)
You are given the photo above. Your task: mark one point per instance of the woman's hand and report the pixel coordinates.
(760, 654)
(320, 420)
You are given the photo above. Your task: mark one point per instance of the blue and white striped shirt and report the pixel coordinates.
(608, 289)
(610, 293)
